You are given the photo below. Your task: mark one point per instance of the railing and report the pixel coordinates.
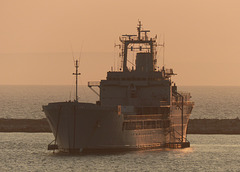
(143, 117)
(93, 83)
(164, 103)
(153, 124)
(169, 71)
(186, 97)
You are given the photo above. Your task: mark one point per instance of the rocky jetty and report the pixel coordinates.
(195, 126)
(214, 126)
(24, 125)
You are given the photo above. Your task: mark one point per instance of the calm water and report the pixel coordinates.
(27, 152)
(27, 101)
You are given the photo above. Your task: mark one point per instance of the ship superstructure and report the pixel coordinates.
(138, 107)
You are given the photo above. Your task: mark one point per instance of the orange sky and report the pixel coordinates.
(202, 38)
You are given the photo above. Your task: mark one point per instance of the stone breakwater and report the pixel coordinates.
(214, 126)
(24, 125)
(195, 126)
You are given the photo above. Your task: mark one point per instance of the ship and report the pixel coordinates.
(138, 107)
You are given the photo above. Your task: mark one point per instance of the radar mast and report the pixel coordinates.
(76, 66)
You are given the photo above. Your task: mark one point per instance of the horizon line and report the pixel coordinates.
(86, 85)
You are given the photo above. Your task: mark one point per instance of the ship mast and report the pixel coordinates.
(76, 66)
(141, 39)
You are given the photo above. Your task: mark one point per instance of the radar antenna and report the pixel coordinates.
(129, 36)
(139, 29)
(163, 44)
(163, 50)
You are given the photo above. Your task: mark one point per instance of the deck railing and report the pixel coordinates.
(93, 83)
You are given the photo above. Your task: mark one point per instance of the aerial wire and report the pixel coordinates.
(80, 54)
(80, 79)
(72, 85)
(133, 55)
(114, 56)
(72, 54)
(163, 50)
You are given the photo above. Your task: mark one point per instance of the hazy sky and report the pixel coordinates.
(202, 38)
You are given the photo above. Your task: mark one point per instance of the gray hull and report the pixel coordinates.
(138, 107)
(82, 126)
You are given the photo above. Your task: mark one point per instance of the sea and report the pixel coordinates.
(21, 101)
(28, 151)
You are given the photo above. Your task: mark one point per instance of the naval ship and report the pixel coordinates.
(138, 107)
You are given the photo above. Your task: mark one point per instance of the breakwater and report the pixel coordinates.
(24, 125)
(195, 126)
(214, 126)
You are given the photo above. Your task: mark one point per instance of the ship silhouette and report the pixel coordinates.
(138, 108)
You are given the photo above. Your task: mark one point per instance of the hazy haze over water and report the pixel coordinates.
(36, 39)
(201, 37)
(27, 101)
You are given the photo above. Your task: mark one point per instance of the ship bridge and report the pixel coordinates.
(143, 84)
(146, 47)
